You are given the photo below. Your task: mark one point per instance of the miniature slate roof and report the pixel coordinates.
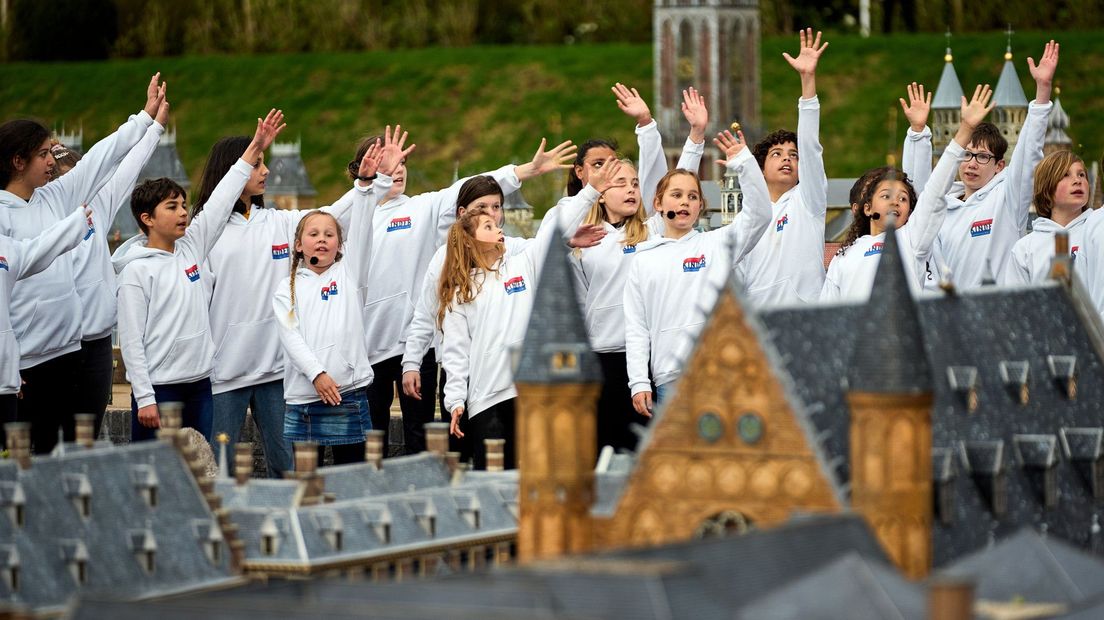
(948, 95)
(287, 172)
(556, 348)
(891, 359)
(57, 542)
(849, 587)
(164, 162)
(998, 446)
(1034, 568)
(1057, 124)
(1009, 92)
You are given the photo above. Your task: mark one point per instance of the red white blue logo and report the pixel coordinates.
(981, 228)
(781, 223)
(694, 263)
(4, 263)
(280, 251)
(514, 285)
(192, 273)
(1074, 250)
(399, 223)
(329, 290)
(628, 249)
(875, 249)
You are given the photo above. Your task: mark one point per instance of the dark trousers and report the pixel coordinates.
(199, 408)
(343, 453)
(616, 414)
(94, 379)
(415, 413)
(48, 401)
(494, 423)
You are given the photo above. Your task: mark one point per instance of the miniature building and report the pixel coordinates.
(1057, 123)
(72, 140)
(518, 216)
(1010, 101)
(714, 47)
(288, 184)
(946, 107)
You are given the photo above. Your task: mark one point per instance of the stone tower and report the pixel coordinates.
(558, 378)
(1011, 102)
(289, 186)
(712, 45)
(890, 395)
(946, 104)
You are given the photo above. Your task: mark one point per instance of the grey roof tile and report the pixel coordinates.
(1009, 92)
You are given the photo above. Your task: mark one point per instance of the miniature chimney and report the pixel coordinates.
(373, 448)
(950, 599)
(19, 443)
(306, 469)
(86, 424)
(1061, 264)
(243, 461)
(452, 459)
(437, 438)
(170, 415)
(496, 456)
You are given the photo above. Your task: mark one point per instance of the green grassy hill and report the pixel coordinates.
(479, 107)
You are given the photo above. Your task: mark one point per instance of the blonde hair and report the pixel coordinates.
(463, 254)
(297, 256)
(666, 180)
(636, 229)
(1048, 174)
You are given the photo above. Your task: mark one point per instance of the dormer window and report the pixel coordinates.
(378, 517)
(144, 478)
(943, 479)
(14, 501)
(144, 547)
(270, 537)
(210, 538)
(984, 462)
(1084, 448)
(75, 554)
(1014, 376)
(330, 526)
(1063, 369)
(468, 507)
(425, 513)
(963, 380)
(79, 491)
(563, 359)
(9, 567)
(1038, 456)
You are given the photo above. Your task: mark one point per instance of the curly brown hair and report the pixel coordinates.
(774, 138)
(860, 221)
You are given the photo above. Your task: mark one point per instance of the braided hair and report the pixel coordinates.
(297, 255)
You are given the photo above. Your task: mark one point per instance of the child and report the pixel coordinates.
(787, 265)
(93, 273)
(1062, 203)
(988, 211)
(164, 329)
(22, 259)
(890, 196)
(671, 280)
(318, 309)
(45, 308)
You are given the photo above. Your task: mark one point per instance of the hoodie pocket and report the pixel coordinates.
(672, 346)
(53, 325)
(779, 291)
(248, 349)
(384, 320)
(189, 357)
(607, 326)
(336, 363)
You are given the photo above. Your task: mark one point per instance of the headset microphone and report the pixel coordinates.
(314, 260)
(873, 216)
(671, 215)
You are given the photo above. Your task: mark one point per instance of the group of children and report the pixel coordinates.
(314, 319)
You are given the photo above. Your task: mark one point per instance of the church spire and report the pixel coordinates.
(948, 95)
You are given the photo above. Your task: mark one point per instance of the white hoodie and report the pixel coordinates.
(45, 308)
(851, 274)
(986, 226)
(22, 259)
(243, 269)
(321, 331)
(95, 277)
(406, 232)
(1032, 254)
(164, 330)
(672, 282)
(787, 264)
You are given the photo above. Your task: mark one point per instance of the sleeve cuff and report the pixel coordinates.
(812, 103)
(1040, 108)
(919, 135)
(145, 118)
(146, 401)
(243, 167)
(955, 149)
(411, 366)
(639, 388)
(741, 158)
(647, 128)
(694, 147)
(590, 193)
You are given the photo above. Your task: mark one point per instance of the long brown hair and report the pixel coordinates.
(1048, 174)
(297, 256)
(636, 229)
(457, 284)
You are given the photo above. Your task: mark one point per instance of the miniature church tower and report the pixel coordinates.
(288, 183)
(73, 140)
(712, 45)
(1057, 123)
(1010, 101)
(890, 396)
(558, 378)
(732, 197)
(946, 104)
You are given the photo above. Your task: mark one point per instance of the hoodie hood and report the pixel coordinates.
(1047, 225)
(134, 249)
(656, 242)
(9, 199)
(958, 189)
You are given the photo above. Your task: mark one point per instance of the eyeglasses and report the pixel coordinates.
(982, 158)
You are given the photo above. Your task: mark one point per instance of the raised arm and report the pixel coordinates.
(653, 162)
(34, 255)
(116, 193)
(380, 161)
(1029, 148)
(813, 183)
(752, 221)
(916, 154)
(697, 114)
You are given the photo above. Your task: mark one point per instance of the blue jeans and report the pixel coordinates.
(197, 414)
(266, 401)
(330, 425)
(662, 392)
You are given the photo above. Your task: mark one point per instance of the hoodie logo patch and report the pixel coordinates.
(694, 263)
(628, 249)
(981, 228)
(875, 249)
(1073, 251)
(514, 285)
(399, 223)
(4, 263)
(329, 291)
(280, 251)
(192, 273)
(781, 223)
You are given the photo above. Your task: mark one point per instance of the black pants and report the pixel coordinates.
(616, 414)
(94, 379)
(344, 453)
(415, 413)
(494, 423)
(48, 401)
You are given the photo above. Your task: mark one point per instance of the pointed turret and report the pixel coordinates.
(1057, 123)
(288, 183)
(1010, 101)
(946, 103)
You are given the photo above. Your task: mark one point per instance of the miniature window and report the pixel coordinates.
(564, 361)
(11, 576)
(724, 524)
(79, 569)
(269, 544)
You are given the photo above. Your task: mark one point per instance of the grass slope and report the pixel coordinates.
(482, 106)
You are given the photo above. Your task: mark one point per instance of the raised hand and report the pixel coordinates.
(806, 61)
(155, 93)
(267, 129)
(394, 149)
(559, 158)
(587, 236)
(632, 103)
(1048, 64)
(370, 163)
(730, 145)
(605, 177)
(917, 107)
(974, 111)
(693, 108)
(162, 116)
